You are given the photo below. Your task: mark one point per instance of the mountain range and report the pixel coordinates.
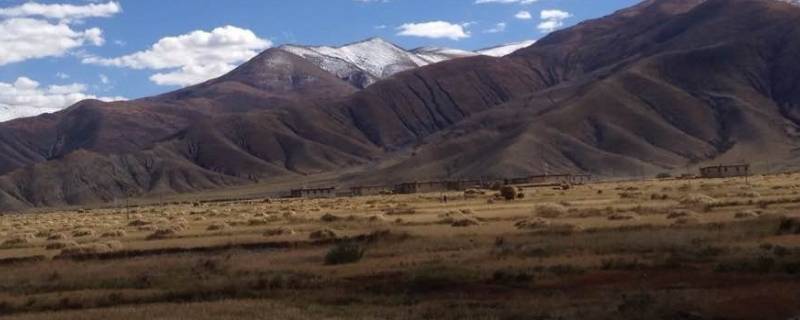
(656, 87)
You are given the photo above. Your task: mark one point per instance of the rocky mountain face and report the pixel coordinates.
(659, 86)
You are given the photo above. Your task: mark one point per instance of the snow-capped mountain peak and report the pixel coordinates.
(361, 63)
(365, 62)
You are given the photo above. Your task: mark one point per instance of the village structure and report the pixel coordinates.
(313, 192)
(725, 171)
(551, 180)
(558, 180)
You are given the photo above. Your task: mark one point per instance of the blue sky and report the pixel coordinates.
(95, 32)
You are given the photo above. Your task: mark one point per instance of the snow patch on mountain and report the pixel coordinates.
(504, 50)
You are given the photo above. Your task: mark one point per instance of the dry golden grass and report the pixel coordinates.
(623, 250)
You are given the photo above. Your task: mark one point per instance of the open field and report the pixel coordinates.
(672, 249)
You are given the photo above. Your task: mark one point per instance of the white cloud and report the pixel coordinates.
(552, 20)
(499, 27)
(62, 11)
(193, 57)
(103, 79)
(25, 97)
(24, 38)
(62, 76)
(434, 30)
(523, 15)
(505, 1)
(33, 30)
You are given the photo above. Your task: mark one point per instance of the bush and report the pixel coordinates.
(663, 175)
(83, 232)
(218, 226)
(697, 199)
(508, 192)
(550, 210)
(324, 234)
(344, 253)
(163, 233)
(330, 218)
(114, 234)
(789, 226)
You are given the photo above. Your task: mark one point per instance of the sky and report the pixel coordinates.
(55, 53)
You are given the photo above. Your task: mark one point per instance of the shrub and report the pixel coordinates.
(622, 216)
(83, 233)
(218, 226)
(324, 234)
(19, 239)
(550, 210)
(330, 218)
(402, 209)
(663, 175)
(114, 234)
(92, 248)
(344, 253)
(278, 232)
(58, 236)
(465, 222)
(657, 196)
(680, 213)
(163, 233)
(508, 192)
(535, 223)
(58, 245)
(698, 199)
(789, 226)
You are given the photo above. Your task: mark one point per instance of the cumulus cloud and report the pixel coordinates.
(552, 20)
(505, 1)
(434, 30)
(24, 38)
(523, 15)
(25, 97)
(33, 30)
(62, 11)
(193, 57)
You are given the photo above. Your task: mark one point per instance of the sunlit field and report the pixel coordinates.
(677, 249)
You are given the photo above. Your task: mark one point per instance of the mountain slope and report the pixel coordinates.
(662, 85)
(273, 80)
(709, 81)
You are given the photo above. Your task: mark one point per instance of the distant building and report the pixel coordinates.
(421, 187)
(369, 190)
(551, 179)
(725, 171)
(314, 193)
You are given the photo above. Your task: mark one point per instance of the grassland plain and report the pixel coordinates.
(655, 249)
